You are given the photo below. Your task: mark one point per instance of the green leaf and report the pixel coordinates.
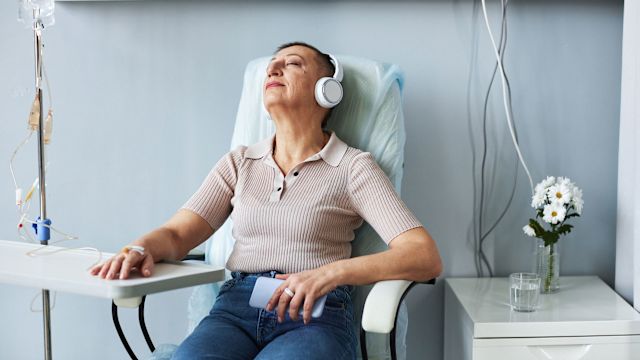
(537, 228)
(572, 215)
(564, 229)
(550, 238)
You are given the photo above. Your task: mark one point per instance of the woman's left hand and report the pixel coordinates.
(306, 287)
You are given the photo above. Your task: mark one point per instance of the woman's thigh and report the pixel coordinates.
(217, 338)
(309, 342)
(332, 336)
(227, 332)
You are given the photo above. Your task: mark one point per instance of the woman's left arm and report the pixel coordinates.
(412, 255)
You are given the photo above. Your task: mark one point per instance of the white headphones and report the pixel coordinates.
(328, 89)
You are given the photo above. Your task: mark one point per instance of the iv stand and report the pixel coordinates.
(43, 234)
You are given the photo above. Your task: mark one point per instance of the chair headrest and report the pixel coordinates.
(369, 117)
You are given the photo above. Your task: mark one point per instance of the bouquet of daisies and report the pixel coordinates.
(556, 200)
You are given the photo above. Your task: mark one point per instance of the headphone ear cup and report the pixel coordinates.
(328, 92)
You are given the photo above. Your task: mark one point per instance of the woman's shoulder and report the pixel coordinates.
(233, 158)
(356, 157)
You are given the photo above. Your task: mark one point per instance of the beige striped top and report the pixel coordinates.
(300, 220)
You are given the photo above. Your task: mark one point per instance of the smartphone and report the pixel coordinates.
(266, 286)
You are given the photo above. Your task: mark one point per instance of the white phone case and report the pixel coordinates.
(266, 286)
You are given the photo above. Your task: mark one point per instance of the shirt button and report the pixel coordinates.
(279, 188)
(295, 173)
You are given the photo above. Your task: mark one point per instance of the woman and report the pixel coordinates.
(295, 200)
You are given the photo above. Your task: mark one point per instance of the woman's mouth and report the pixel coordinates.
(273, 84)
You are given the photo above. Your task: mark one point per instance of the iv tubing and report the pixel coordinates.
(46, 308)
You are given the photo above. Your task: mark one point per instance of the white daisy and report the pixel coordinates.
(576, 199)
(550, 180)
(565, 181)
(559, 193)
(538, 198)
(554, 213)
(529, 230)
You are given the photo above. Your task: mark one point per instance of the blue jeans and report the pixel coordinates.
(234, 330)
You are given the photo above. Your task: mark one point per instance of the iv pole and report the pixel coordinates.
(42, 231)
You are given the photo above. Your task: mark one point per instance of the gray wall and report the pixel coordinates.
(145, 95)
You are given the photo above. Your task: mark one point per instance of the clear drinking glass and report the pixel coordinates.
(524, 291)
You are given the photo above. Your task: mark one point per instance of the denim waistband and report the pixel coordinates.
(241, 275)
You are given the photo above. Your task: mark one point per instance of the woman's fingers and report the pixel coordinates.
(131, 260)
(121, 265)
(147, 265)
(96, 269)
(275, 298)
(283, 303)
(300, 301)
(308, 309)
(294, 306)
(105, 268)
(116, 264)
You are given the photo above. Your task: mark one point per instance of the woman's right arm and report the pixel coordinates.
(171, 241)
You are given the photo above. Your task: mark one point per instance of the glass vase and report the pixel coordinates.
(548, 267)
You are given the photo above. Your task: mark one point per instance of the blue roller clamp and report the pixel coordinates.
(43, 233)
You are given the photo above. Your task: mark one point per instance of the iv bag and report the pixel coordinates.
(30, 12)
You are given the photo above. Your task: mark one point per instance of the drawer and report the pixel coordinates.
(558, 348)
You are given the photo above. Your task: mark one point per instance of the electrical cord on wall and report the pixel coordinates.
(504, 93)
(480, 235)
(482, 258)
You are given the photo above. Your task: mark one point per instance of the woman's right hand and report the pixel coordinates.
(122, 264)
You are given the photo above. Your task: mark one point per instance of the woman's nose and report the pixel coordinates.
(274, 69)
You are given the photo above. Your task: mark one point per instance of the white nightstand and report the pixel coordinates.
(584, 320)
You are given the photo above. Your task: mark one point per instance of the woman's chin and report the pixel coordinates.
(272, 104)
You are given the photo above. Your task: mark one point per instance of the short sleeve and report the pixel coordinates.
(212, 201)
(375, 199)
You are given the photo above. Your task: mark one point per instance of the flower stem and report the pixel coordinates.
(549, 277)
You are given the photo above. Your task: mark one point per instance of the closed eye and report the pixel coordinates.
(293, 63)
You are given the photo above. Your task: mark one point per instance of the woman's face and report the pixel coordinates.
(291, 78)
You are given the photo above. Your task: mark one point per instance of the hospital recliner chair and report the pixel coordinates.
(370, 118)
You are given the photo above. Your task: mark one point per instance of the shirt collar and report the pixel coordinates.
(332, 153)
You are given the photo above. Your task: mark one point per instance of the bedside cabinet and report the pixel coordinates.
(584, 320)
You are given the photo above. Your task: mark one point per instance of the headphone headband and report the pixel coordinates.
(338, 73)
(328, 90)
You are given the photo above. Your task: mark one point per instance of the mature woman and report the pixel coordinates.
(295, 199)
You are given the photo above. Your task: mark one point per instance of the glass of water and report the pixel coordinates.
(524, 291)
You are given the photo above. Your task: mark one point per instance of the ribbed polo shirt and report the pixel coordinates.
(304, 219)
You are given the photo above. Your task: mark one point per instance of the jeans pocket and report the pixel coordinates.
(339, 298)
(227, 285)
(338, 306)
(333, 303)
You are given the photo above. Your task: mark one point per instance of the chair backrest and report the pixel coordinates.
(369, 117)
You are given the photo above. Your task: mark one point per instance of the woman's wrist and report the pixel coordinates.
(137, 248)
(336, 274)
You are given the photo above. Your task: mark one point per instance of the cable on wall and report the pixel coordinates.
(504, 93)
(480, 234)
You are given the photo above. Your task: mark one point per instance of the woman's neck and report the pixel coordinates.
(295, 143)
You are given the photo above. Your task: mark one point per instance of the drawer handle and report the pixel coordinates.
(559, 352)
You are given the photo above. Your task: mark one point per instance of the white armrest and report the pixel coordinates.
(379, 313)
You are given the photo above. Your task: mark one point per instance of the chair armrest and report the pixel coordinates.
(381, 306)
(194, 254)
(379, 312)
